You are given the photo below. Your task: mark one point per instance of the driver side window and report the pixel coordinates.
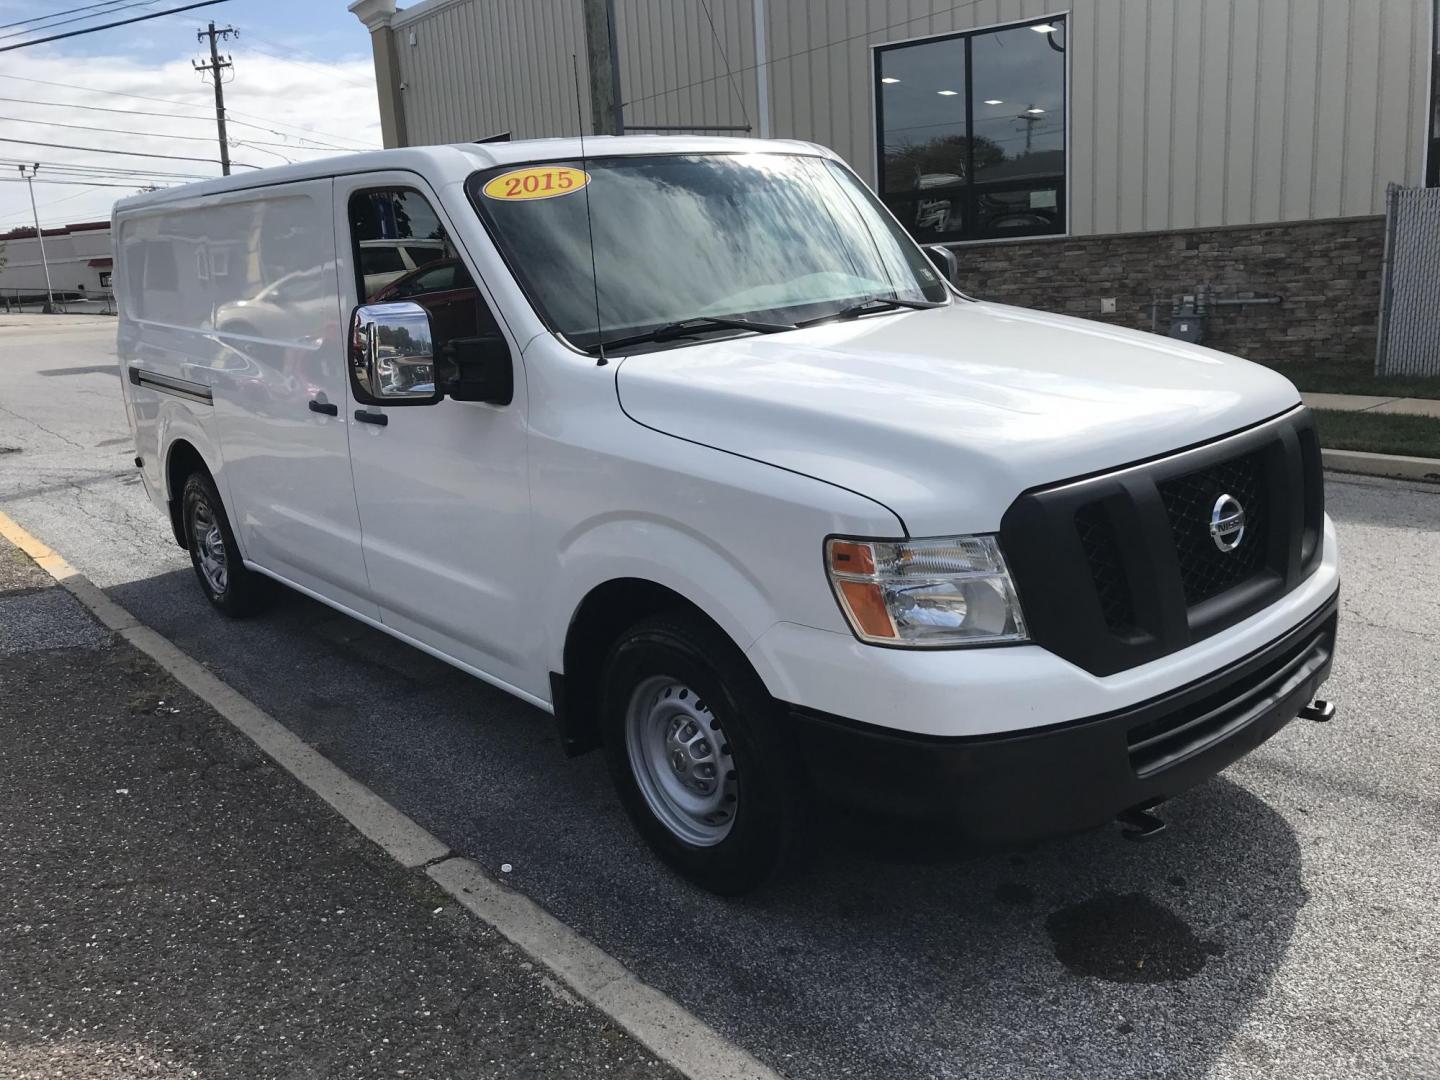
(403, 253)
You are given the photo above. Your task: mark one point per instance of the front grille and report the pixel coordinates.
(1170, 739)
(1205, 570)
(1097, 537)
(1119, 569)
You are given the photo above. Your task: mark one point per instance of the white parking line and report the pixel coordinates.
(670, 1031)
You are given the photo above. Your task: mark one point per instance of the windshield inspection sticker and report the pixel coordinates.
(536, 182)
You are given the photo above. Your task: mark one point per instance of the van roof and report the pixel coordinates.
(454, 162)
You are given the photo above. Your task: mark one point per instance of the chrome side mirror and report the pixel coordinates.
(392, 355)
(944, 260)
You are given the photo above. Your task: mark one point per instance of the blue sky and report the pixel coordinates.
(302, 87)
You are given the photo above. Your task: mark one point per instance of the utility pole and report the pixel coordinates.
(602, 61)
(216, 67)
(40, 236)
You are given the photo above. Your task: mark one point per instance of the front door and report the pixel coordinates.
(442, 490)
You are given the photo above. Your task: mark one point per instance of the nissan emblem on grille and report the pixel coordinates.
(1227, 523)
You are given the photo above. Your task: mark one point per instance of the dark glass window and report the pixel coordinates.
(1432, 158)
(395, 231)
(403, 252)
(971, 131)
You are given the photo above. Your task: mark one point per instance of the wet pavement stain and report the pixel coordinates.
(1127, 938)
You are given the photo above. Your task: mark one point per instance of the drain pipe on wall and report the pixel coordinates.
(762, 70)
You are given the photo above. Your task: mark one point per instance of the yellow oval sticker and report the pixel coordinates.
(536, 182)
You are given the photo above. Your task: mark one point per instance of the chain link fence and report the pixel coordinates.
(1409, 339)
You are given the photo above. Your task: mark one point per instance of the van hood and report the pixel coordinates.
(946, 415)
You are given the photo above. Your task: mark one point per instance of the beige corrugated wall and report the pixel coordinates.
(480, 67)
(667, 44)
(1183, 112)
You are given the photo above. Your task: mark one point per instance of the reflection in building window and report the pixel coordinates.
(971, 131)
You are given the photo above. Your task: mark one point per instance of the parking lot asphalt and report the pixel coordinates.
(1284, 926)
(175, 905)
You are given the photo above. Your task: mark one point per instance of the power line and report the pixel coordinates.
(260, 149)
(80, 18)
(173, 116)
(119, 170)
(111, 130)
(127, 153)
(44, 205)
(110, 26)
(85, 183)
(292, 59)
(54, 14)
(85, 172)
(186, 105)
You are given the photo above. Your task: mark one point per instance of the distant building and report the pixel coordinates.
(80, 258)
(1093, 157)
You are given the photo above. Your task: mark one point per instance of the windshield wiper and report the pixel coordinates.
(872, 304)
(699, 325)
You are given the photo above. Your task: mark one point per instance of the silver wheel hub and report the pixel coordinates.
(209, 546)
(681, 761)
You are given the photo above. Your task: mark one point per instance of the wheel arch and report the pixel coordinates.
(603, 614)
(181, 459)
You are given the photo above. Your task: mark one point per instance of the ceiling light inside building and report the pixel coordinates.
(1035, 109)
(889, 79)
(1045, 28)
(993, 101)
(947, 93)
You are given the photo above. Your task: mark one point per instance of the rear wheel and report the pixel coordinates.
(696, 749)
(213, 552)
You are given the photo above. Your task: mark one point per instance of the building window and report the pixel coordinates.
(971, 132)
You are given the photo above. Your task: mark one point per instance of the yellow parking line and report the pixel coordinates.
(77, 584)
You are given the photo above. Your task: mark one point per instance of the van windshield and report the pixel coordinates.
(694, 244)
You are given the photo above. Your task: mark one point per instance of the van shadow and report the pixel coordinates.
(891, 954)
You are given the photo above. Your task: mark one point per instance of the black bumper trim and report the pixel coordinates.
(1016, 787)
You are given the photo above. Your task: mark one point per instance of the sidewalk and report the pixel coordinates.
(1368, 403)
(173, 904)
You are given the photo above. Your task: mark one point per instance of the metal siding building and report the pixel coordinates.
(1183, 113)
(1221, 148)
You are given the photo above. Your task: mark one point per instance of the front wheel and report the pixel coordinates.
(226, 582)
(698, 755)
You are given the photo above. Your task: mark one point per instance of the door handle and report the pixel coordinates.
(365, 416)
(324, 407)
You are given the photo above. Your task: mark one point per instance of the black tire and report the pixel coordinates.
(770, 797)
(242, 592)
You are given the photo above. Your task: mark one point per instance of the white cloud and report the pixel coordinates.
(270, 100)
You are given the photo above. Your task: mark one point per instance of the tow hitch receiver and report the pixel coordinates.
(1318, 710)
(1139, 824)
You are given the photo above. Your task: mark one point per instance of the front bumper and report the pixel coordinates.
(1007, 789)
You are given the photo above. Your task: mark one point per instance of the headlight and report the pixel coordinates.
(950, 591)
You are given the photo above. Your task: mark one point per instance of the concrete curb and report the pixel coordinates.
(667, 1029)
(1396, 466)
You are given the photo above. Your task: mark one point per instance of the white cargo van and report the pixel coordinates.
(693, 448)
